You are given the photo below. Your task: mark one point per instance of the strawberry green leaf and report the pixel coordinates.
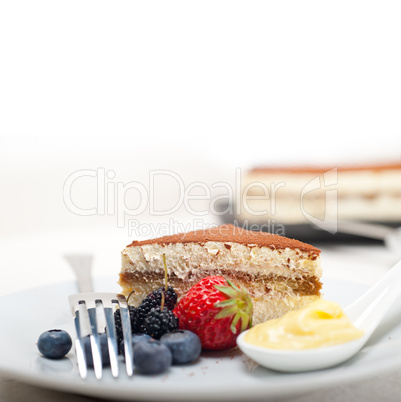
(232, 285)
(245, 322)
(226, 312)
(225, 303)
(238, 306)
(235, 322)
(230, 292)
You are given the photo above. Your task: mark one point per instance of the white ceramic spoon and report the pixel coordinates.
(365, 313)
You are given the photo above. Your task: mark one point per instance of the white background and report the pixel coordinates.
(198, 70)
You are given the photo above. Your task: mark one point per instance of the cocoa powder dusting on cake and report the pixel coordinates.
(322, 169)
(232, 234)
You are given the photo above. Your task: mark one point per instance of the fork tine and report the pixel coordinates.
(82, 367)
(85, 330)
(95, 343)
(108, 315)
(127, 335)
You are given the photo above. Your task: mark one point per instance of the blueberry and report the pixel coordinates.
(54, 344)
(104, 347)
(152, 357)
(185, 346)
(136, 338)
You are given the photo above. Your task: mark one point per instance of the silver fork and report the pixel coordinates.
(93, 314)
(81, 264)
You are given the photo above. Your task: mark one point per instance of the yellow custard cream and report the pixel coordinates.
(322, 323)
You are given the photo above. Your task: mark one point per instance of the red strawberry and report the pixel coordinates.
(217, 311)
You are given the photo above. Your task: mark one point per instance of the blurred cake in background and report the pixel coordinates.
(312, 195)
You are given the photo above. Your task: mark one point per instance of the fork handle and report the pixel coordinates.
(82, 267)
(370, 230)
(84, 280)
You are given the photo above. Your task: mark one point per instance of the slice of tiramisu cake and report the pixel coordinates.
(280, 274)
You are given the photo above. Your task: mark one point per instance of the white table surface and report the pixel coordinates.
(361, 264)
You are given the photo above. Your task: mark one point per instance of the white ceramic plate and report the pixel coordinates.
(225, 376)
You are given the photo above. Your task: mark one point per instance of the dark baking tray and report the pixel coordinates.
(304, 232)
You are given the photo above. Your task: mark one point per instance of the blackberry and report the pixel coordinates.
(158, 322)
(142, 312)
(154, 300)
(119, 330)
(170, 297)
